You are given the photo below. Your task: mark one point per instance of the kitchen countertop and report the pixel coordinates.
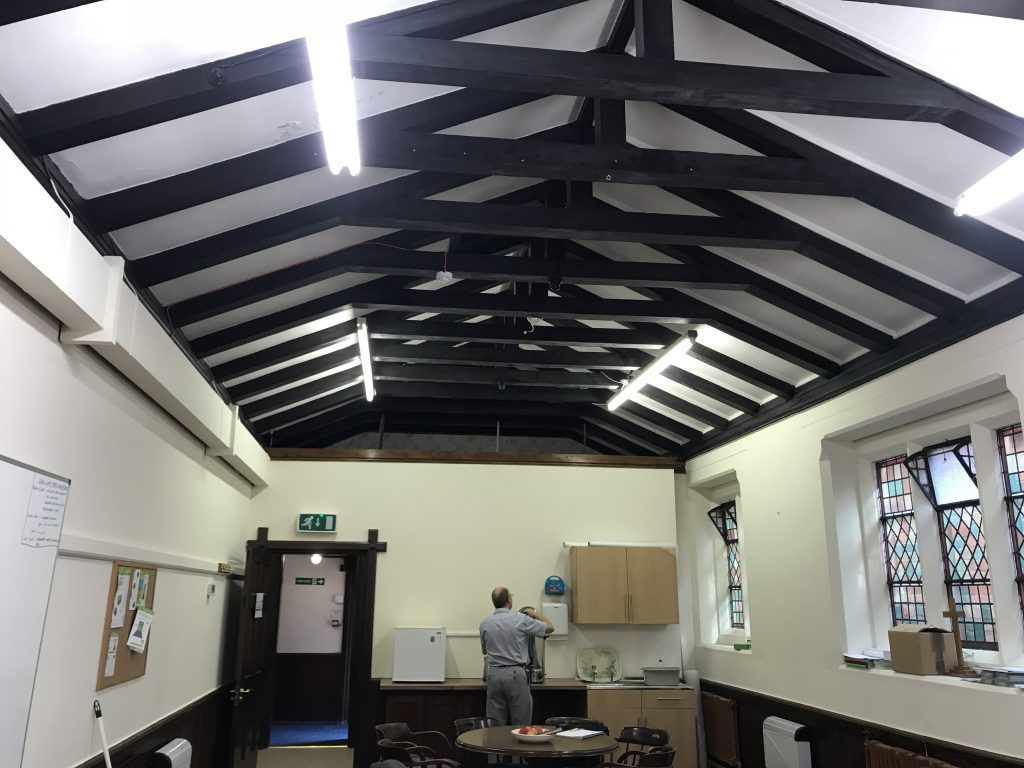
(477, 684)
(551, 684)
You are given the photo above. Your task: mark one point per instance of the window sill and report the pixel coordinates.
(945, 680)
(724, 648)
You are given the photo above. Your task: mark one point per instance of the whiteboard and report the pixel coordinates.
(32, 504)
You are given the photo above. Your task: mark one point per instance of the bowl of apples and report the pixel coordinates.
(534, 733)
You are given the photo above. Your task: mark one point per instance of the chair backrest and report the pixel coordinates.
(394, 731)
(577, 722)
(645, 737)
(464, 724)
(389, 750)
(657, 757)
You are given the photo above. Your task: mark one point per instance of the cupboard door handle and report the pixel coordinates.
(666, 699)
(625, 605)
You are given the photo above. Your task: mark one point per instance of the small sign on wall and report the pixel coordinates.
(309, 582)
(316, 523)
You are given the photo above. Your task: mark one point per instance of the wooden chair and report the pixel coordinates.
(640, 741)
(435, 741)
(464, 724)
(577, 722)
(412, 755)
(655, 757)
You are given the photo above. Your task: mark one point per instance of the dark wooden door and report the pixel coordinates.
(252, 694)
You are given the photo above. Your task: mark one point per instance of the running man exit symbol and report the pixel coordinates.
(316, 523)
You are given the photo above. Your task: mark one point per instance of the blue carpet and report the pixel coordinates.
(299, 734)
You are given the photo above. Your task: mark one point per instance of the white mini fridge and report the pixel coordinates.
(419, 655)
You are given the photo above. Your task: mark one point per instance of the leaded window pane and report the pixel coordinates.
(967, 573)
(1011, 451)
(724, 519)
(899, 542)
(950, 479)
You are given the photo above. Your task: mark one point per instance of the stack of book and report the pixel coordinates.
(858, 661)
(1006, 677)
(881, 657)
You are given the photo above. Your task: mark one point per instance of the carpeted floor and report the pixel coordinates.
(296, 734)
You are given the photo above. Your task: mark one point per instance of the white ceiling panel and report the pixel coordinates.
(643, 199)
(891, 241)
(262, 262)
(357, 383)
(906, 152)
(277, 338)
(980, 54)
(781, 323)
(524, 120)
(654, 126)
(831, 288)
(685, 393)
(227, 213)
(754, 356)
(347, 366)
(702, 37)
(657, 407)
(578, 27)
(276, 304)
(637, 252)
(345, 343)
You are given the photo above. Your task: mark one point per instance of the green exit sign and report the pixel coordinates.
(316, 523)
(308, 582)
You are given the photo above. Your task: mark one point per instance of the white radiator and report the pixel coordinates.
(174, 754)
(786, 744)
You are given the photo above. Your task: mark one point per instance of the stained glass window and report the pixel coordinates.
(899, 542)
(946, 474)
(1011, 451)
(724, 518)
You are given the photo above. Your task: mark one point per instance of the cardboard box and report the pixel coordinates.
(921, 649)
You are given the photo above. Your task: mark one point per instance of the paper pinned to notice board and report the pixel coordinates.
(108, 668)
(120, 608)
(140, 630)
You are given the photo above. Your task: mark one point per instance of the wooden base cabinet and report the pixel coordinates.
(671, 710)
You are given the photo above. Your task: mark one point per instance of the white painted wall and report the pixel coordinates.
(138, 480)
(792, 553)
(304, 625)
(456, 531)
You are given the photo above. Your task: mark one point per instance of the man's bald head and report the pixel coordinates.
(500, 597)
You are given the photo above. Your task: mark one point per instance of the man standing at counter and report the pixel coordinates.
(504, 638)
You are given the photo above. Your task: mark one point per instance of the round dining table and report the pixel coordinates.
(500, 741)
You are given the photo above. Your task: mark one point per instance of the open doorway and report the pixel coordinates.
(311, 667)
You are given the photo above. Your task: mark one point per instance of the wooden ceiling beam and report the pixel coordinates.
(1007, 9)
(142, 202)
(480, 156)
(742, 371)
(13, 11)
(485, 66)
(620, 361)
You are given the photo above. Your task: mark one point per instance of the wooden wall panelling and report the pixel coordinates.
(205, 723)
(308, 687)
(838, 742)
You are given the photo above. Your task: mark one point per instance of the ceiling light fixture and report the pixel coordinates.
(652, 369)
(363, 336)
(315, 559)
(1001, 186)
(333, 87)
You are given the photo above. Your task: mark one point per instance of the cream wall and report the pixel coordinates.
(455, 531)
(791, 554)
(138, 481)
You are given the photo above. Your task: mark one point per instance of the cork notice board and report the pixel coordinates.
(127, 581)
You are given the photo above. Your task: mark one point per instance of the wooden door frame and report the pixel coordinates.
(360, 591)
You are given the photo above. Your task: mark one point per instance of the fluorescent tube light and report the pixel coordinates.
(656, 366)
(333, 87)
(1001, 186)
(363, 337)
